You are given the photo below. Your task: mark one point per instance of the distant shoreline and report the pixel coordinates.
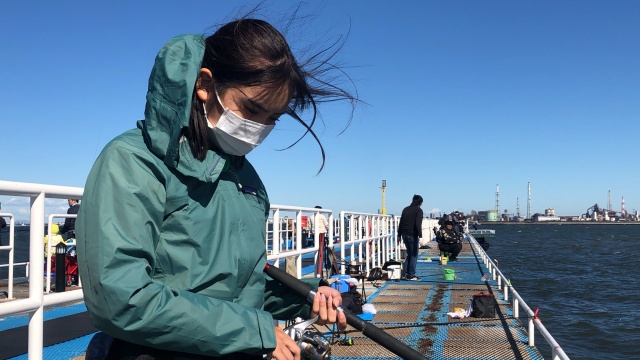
(500, 223)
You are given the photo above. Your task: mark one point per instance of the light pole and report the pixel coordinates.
(384, 186)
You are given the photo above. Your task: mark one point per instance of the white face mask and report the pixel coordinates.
(234, 134)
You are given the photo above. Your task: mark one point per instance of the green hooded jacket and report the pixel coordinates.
(171, 250)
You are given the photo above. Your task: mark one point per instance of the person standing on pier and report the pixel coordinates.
(172, 229)
(3, 224)
(69, 226)
(410, 230)
(321, 223)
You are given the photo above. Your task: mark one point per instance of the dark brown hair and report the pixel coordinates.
(250, 52)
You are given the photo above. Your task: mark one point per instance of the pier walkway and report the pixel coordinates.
(415, 312)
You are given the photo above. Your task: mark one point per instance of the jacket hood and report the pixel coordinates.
(168, 108)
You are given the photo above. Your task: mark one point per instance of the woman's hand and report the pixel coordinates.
(286, 348)
(325, 305)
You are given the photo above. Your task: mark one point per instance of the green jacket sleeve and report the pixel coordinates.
(118, 227)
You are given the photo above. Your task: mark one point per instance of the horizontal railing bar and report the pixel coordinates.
(30, 189)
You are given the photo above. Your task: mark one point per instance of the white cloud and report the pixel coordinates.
(19, 207)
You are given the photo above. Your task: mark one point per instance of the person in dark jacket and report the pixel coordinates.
(172, 229)
(69, 227)
(3, 224)
(449, 241)
(410, 230)
(458, 222)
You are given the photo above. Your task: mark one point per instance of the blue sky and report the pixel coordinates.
(461, 96)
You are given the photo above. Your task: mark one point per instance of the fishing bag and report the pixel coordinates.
(352, 300)
(483, 306)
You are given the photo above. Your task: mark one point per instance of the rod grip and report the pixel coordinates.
(369, 330)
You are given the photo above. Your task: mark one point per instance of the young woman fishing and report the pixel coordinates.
(171, 233)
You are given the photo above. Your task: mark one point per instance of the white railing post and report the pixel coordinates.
(531, 331)
(36, 235)
(275, 245)
(12, 251)
(299, 241)
(329, 234)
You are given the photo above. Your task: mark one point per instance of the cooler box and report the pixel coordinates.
(393, 272)
(340, 284)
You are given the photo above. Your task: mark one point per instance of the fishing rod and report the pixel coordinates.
(369, 330)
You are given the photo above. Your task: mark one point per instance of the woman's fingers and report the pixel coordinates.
(286, 348)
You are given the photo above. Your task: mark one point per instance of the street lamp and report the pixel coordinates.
(61, 268)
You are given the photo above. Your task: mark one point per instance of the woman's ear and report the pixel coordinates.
(203, 84)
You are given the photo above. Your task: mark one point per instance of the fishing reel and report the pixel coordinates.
(313, 346)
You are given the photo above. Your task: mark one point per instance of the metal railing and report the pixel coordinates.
(36, 301)
(282, 246)
(279, 246)
(372, 236)
(504, 285)
(11, 249)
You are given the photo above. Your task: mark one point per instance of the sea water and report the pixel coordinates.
(21, 250)
(584, 280)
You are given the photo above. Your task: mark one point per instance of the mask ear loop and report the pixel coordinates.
(215, 91)
(206, 118)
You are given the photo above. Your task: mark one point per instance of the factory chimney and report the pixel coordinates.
(529, 200)
(498, 202)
